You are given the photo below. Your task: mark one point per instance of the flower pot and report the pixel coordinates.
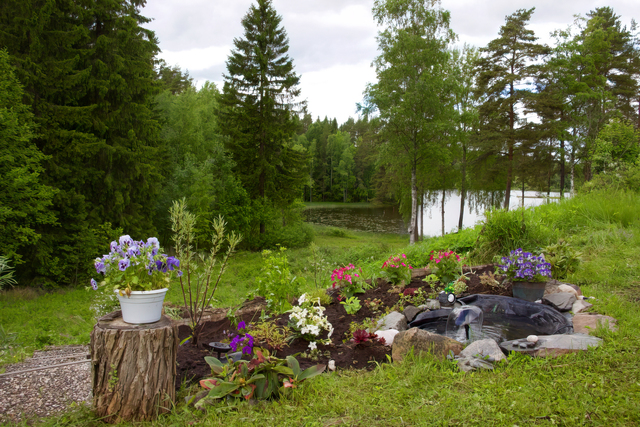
(142, 306)
(529, 291)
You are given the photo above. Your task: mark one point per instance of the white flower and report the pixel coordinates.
(313, 346)
(302, 299)
(332, 365)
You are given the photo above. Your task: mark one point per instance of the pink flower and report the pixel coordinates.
(403, 264)
(404, 256)
(437, 261)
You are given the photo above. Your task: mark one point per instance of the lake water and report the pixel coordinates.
(389, 220)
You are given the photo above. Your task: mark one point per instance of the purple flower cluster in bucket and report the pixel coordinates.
(524, 266)
(242, 339)
(128, 258)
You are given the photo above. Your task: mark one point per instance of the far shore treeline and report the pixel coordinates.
(98, 136)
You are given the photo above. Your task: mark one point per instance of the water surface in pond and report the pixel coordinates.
(389, 220)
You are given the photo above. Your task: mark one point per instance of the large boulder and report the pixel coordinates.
(423, 341)
(394, 320)
(561, 301)
(588, 322)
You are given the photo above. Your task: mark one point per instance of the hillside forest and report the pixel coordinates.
(98, 136)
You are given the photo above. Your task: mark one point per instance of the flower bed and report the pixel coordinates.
(192, 367)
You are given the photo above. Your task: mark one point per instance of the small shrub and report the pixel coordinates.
(489, 279)
(563, 258)
(276, 283)
(267, 333)
(351, 305)
(322, 295)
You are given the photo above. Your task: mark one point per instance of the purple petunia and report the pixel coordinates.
(126, 240)
(123, 264)
(94, 285)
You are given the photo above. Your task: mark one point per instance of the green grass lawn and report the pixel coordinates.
(600, 387)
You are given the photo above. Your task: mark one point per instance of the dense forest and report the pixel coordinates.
(98, 136)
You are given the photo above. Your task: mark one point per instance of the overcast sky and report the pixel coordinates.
(333, 42)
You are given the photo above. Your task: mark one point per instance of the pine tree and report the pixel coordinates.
(509, 61)
(259, 107)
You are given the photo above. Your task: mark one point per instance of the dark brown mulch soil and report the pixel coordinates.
(192, 367)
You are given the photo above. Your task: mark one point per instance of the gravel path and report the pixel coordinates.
(44, 392)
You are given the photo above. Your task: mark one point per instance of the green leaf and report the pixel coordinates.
(294, 365)
(311, 372)
(216, 365)
(222, 389)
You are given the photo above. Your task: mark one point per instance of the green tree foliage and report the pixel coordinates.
(24, 200)
(412, 93)
(173, 78)
(87, 70)
(607, 61)
(508, 62)
(616, 147)
(259, 100)
(197, 167)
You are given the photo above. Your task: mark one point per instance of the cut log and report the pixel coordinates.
(133, 369)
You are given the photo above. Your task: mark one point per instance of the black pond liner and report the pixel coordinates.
(515, 317)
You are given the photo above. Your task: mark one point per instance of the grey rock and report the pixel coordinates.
(393, 320)
(431, 304)
(554, 286)
(523, 345)
(484, 348)
(562, 301)
(580, 306)
(589, 322)
(468, 364)
(423, 341)
(411, 312)
(555, 345)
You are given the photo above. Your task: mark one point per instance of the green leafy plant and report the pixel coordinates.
(322, 295)
(6, 273)
(318, 266)
(396, 270)
(489, 279)
(374, 305)
(351, 305)
(267, 333)
(563, 258)
(434, 283)
(412, 296)
(276, 283)
(457, 287)
(262, 377)
(199, 282)
(445, 265)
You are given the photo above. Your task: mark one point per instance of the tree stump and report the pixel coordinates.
(133, 371)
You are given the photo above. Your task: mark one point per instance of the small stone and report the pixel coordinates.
(532, 338)
(523, 345)
(562, 301)
(411, 312)
(516, 343)
(580, 306)
(531, 344)
(332, 365)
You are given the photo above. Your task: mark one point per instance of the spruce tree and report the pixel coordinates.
(87, 70)
(259, 106)
(25, 203)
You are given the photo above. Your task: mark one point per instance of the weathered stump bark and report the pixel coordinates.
(133, 370)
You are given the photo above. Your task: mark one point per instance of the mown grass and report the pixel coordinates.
(600, 387)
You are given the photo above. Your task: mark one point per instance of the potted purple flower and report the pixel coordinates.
(528, 273)
(140, 275)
